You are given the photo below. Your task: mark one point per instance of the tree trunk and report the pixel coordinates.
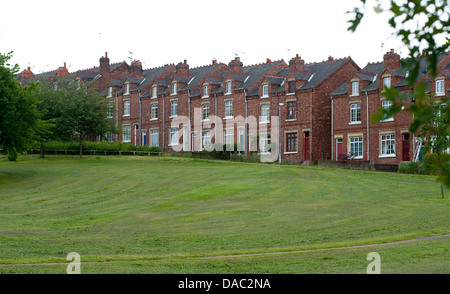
(41, 147)
(442, 191)
(81, 145)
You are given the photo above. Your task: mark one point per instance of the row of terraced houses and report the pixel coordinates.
(323, 108)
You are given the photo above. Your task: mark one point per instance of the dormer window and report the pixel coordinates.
(265, 91)
(291, 86)
(127, 88)
(355, 88)
(154, 91)
(228, 87)
(174, 88)
(110, 90)
(205, 91)
(387, 82)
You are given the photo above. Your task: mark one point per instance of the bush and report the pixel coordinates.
(431, 163)
(411, 167)
(103, 146)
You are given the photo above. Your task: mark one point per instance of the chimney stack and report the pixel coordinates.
(182, 68)
(391, 59)
(62, 72)
(104, 64)
(236, 65)
(297, 64)
(26, 73)
(136, 68)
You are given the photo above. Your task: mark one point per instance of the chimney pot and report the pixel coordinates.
(106, 54)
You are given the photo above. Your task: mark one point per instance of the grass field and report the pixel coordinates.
(177, 215)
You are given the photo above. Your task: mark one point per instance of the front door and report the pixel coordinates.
(338, 148)
(306, 146)
(405, 147)
(144, 138)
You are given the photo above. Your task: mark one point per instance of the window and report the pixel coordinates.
(205, 91)
(126, 133)
(154, 138)
(388, 144)
(355, 88)
(174, 136)
(205, 111)
(109, 137)
(127, 88)
(355, 112)
(265, 91)
(264, 141)
(126, 108)
(440, 87)
(206, 139)
(154, 91)
(154, 111)
(291, 86)
(109, 112)
(228, 109)
(387, 82)
(356, 146)
(173, 108)
(291, 108)
(228, 136)
(110, 89)
(386, 105)
(265, 109)
(291, 142)
(228, 87)
(174, 88)
(241, 140)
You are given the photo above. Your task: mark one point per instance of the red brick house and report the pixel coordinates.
(354, 136)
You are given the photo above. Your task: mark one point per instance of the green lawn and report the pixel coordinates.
(160, 214)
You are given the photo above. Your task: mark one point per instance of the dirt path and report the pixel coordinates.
(252, 254)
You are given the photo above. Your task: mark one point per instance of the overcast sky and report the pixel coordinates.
(44, 34)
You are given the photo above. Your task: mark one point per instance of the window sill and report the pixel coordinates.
(153, 97)
(354, 95)
(126, 141)
(205, 97)
(153, 119)
(290, 94)
(264, 97)
(387, 120)
(228, 117)
(387, 156)
(174, 144)
(173, 116)
(205, 120)
(125, 115)
(227, 94)
(291, 119)
(355, 123)
(291, 152)
(264, 122)
(440, 94)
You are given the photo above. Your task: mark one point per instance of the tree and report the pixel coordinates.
(19, 116)
(420, 24)
(78, 111)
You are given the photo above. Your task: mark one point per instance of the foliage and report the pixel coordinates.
(19, 116)
(420, 24)
(99, 146)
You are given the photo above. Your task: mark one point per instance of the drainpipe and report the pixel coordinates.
(246, 146)
(189, 124)
(332, 128)
(117, 117)
(140, 119)
(163, 124)
(367, 126)
(311, 122)
(215, 117)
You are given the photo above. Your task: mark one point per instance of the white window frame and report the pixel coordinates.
(440, 87)
(206, 140)
(383, 102)
(228, 136)
(154, 91)
(228, 109)
(227, 87)
(265, 113)
(127, 88)
(354, 109)
(126, 108)
(174, 138)
(154, 111)
(356, 145)
(110, 91)
(126, 134)
(173, 108)
(264, 140)
(387, 145)
(205, 91)
(110, 110)
(265, 91)
(355, 88)
(154, 137)
(205, 112)
(387, 81)
(174, 89)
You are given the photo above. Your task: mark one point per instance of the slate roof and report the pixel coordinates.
(321, 71)
(341, 90)
(198, 74)
(255, 72)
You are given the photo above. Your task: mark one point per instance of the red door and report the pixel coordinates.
(405, 148)
(306, 146)
(338, 148)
